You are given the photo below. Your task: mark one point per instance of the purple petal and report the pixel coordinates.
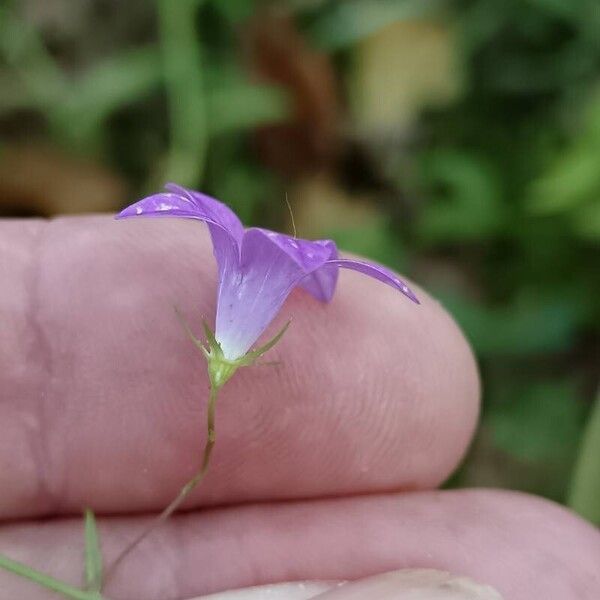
(225, 228)
(306, 254)
(214, 211)
(377, 272)
(165, 204)
(321, 283)
(271, 265)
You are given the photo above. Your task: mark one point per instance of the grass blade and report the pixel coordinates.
(45, 581)
(93, 554)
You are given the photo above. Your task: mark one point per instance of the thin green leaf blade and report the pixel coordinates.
(45, 581)
(93, 554)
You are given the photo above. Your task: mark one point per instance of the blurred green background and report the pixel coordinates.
(456, 141)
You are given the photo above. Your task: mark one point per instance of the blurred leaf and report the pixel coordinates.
(582, 14)
(586, 220)
(533, 47)
(117, 81)
(464, 198)
(541, 422)
(573, 177)
(93, 554)
(572, 181)
(244, 106)
(183, 68)
(584, 496)
(106, 87)
(25, 52)
(342, 24)
(244, 188)
(544, 72)
(527, 326)
(568, 10)
(235, 11)
(374, 240)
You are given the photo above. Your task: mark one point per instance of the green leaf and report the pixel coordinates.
(375, 240)
(539, 423)
(584, 496)
(586, 219)
(45, 581)
(242, 105)
(528, 325)
(572, 179)
(183, 63)
(93, 554)
(23, 48)
(243, 186)
(118, 80)
(464, 202)
(80, 117)
(234, 11)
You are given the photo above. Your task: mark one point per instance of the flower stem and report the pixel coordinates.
(46, 581)
(185, 490)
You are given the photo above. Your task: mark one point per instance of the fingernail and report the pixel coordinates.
(413, 584)
(283, 591)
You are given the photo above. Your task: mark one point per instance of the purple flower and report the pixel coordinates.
(258, 268)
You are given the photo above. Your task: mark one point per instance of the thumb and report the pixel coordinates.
(408, 584)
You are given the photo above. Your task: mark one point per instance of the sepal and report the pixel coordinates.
(221, 369)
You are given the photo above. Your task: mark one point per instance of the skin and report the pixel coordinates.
(322, 464)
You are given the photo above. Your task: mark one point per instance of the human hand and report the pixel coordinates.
(322, 464)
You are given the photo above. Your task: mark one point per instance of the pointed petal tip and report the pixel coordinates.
(129, 211)
(410, 294)
(376, 272)
(406, 291)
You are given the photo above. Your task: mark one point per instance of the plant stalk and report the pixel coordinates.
(185, 490)
(46, 581)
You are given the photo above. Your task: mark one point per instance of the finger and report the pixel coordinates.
(522, 546)
(103, 395)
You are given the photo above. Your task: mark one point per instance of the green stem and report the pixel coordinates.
(46, 581)
(584, 496)
(183, 71)
(185, 490)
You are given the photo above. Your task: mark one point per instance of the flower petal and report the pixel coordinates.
(377, 272)
(308, 255)
(225, 228)
(214, 211)
(321, 283)
(165, 204)
(271, 266)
